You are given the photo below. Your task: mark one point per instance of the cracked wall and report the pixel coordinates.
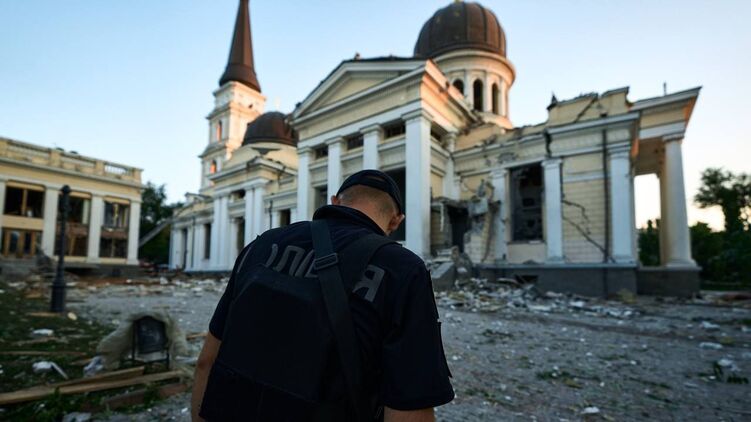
(583, 208)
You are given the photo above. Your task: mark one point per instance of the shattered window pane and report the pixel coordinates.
(115, 215)
(526, 202)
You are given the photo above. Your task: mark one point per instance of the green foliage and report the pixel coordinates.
(649, 244)
(154, 211)
(729, 191)
(725, 256)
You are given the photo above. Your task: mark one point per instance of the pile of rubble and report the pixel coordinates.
(482, 295)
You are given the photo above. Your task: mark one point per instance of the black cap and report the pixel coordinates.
(377, 180)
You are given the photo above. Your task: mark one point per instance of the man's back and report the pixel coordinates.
(392, 307)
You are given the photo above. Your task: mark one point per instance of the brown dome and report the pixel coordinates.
(270, 127)
(458, 26)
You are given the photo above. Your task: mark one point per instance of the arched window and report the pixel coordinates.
(219, 131)
(477, 91)
(494, 104)
(459, 84)
(212, 167)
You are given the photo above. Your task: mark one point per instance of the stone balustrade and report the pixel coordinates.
(57, 158)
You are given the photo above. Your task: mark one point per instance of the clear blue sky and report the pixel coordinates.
(131, 81)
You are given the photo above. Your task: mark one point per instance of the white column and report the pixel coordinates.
(304, 196)
(215, 238)
(469, 92)
(173, 248)
(449, 185)
(199, 235)
(248, 215)
(498, 179)
(371, 137)
(417, 208)
(663, 227)
(49, 228)
(96, 218)
(621, 206)
(190, 258)
(133, 225)
(2, 203)
(225, 235)
(678, 240)
(258, 212)
(232, 245)
(274, 219)
(553, 216)
(334, 168)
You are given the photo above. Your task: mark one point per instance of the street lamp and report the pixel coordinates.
(58, 285)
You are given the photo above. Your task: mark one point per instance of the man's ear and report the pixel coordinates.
(395, 222)
(335, 200)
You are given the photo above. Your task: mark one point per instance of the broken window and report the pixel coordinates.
(207, 241)
(77, 229)
(459, 84)
(477, 91)
(114, 237)
(526, 202)
(394, 129)
(321, 152)
(24, 202)
(354, 141)
(115, 215)
(20, 243)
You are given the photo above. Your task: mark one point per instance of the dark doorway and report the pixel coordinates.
(459, 219)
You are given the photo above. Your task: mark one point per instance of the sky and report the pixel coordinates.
(132, 81)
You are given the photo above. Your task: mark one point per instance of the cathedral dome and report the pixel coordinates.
(271, 127)
(458, 26)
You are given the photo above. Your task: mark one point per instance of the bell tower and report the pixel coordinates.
(237, 101)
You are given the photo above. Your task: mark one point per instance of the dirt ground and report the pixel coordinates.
(516, 354)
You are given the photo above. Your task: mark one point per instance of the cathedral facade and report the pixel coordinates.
(551, 203)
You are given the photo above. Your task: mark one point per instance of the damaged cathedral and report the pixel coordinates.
(551, 203)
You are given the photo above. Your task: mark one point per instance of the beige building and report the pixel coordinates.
(105, 205)
(551, 203)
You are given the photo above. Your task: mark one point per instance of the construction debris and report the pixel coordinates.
(481, 295)
(119, 344)
(42, 332)
(86, 385)
(45, 366)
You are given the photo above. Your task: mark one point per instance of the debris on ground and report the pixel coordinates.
(118, 345)
(481, 295)
(45, 366)
(42, 332)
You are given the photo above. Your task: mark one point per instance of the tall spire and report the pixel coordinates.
(240, 67)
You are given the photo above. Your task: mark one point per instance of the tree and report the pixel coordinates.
(155, 211)
(731, 192)
(649, 244)
(706, 249)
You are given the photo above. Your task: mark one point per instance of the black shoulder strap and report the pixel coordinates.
(335, 297)
(354, 258)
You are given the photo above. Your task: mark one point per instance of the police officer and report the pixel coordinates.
(392, 309)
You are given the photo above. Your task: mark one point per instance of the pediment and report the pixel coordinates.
(350, 79)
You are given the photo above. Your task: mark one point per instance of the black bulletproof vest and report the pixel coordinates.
(278, 360)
